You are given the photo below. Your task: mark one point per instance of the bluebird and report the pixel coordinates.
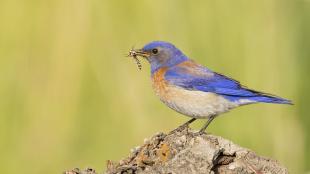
(192, 89)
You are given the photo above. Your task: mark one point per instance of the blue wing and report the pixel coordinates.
(197, 77)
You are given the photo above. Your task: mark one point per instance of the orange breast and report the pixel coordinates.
(160, 85)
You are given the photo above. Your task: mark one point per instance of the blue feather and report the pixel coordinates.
(219, 84)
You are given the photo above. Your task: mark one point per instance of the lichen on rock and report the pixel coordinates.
(186, 151)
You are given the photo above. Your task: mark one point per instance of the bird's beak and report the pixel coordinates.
(138, 52)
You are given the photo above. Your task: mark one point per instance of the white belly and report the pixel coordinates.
(195, 104)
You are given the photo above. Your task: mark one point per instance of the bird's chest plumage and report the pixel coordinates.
(196, 104)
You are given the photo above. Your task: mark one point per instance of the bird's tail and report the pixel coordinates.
(266, 98)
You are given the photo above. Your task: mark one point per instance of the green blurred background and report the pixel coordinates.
(70, 98)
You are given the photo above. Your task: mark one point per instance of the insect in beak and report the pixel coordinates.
(134, 53)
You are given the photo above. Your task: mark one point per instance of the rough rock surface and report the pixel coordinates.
(185, 151)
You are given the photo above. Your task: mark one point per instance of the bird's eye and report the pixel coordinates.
(154, 51)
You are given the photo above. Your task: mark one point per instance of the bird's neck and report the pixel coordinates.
(169, 63)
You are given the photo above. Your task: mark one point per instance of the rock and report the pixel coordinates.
(184, 151)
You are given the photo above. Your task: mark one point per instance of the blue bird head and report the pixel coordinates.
(161, 54)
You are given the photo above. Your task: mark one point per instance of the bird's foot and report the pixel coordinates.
(179, 129)
(182, 127)
(203, 129)
(200, 133)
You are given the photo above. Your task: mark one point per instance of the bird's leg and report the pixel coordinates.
(188, 122)
(183, 125)
(202, 130)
